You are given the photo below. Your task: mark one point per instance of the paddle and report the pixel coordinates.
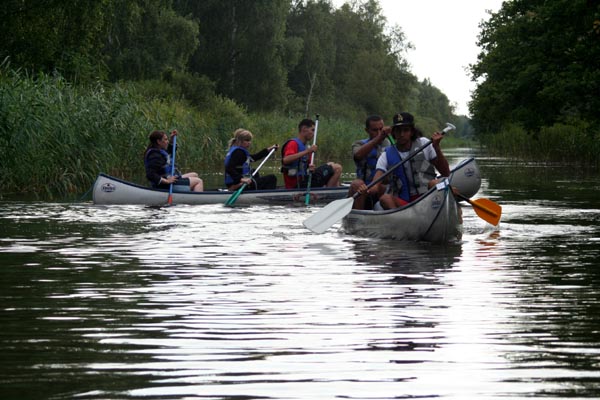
(170, 199)
(322, 220)
(312, 159)
(486, 209)
(237, 193)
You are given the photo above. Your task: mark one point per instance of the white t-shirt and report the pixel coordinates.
(430, 154)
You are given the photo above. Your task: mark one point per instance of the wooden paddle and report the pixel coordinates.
(486, 209)
(170, 198)
(312, 160)
(322, 220)
(234, 196)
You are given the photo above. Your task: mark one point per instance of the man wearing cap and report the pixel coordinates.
(412, 179)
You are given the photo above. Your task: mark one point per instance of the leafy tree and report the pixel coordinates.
(55, 35)
(433, 103)
(539, 65)
(313, 25)
(241, 48)
(357, 59)
(147, 38)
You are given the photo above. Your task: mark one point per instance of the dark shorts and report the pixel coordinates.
(320, 176)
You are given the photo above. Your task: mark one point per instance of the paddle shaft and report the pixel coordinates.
(312, 160)
(170, 199)
(234, 196)
(401, 162)
(264, 161)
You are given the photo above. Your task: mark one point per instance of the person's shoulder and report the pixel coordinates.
(358, 143)
(291, 146)
(153, 153)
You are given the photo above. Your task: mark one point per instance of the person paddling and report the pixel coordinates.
(366, 152)
(157, 161)
(414, 178)
(237, 164)
(295, 161)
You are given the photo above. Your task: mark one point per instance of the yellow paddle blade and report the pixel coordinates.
(487, 210)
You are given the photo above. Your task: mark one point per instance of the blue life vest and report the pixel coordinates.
(246, 170)
(298, 167)
(365, 168)
(399, 181)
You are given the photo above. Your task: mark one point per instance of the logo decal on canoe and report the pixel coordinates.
(436, 202)
(469, 172)
(108, 188)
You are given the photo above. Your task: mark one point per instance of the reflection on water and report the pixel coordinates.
(213, 302)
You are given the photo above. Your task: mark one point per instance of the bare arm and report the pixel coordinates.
(364, 150)
(296, 156)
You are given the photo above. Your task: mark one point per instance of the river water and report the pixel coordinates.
(208, 302)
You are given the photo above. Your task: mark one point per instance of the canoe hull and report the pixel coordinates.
(111, 190)
(434, 217)
(465, 177)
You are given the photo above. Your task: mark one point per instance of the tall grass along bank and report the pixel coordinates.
(574, 142)
(55, 137)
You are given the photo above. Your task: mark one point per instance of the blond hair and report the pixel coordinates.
(239, 136)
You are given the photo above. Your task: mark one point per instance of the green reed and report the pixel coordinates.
(55, 137)
(572, 142)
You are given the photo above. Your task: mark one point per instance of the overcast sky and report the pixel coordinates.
(444, 34)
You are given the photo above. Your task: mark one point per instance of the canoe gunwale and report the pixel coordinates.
(106, 187)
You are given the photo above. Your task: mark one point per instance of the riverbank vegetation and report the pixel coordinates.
(538, 95)
(61, 135)
(82, 85)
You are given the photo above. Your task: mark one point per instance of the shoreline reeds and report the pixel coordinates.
(56, 137)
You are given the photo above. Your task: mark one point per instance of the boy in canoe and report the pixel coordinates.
(296, 164)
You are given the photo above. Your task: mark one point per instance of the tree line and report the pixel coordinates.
(538, 77)
(286, 56)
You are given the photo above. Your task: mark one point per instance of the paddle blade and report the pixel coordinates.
(170, 200)
(324, 219)
(232, 199)
(487, 210)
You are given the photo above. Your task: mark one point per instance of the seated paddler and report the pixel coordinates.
(238, 170)
(158, 163)
(413, 178)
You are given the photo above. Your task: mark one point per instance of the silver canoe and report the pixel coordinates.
(111, 190)
(434, 217)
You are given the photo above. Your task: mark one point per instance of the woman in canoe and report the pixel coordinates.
(237, 164)
(157, 161)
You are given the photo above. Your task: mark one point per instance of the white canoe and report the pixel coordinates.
(111, 190)
(434, 217)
